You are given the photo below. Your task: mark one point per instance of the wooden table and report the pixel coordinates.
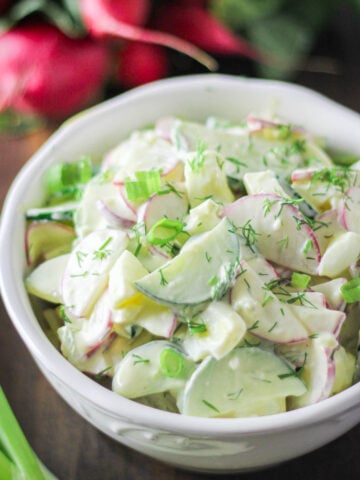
(73, 449)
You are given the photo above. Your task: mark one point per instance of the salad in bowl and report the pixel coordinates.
(204, 268)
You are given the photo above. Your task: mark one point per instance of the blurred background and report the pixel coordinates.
(60, 56)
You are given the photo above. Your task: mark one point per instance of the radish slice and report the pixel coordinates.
(328, 226)
(87, 272)
(116, 212)
(318, 371)
(171, 205)
(349, 210)
(319, 320)
(342, 252)
(332, 292)
(277, 229)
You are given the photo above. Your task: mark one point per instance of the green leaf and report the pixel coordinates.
(63, 15)
(241, 13)
(14, 443)
(285, 40)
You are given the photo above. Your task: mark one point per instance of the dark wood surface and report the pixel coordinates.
(73, 449)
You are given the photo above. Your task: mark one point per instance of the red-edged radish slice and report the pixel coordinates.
(277, 229)
(319, 320)
(318, 371)
(332, 292)
(349, 211)
(170, 205)
(116, 213)
(328, 227)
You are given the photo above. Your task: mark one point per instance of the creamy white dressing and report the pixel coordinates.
(189, 290)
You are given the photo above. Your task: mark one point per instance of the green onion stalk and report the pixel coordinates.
(17, 459)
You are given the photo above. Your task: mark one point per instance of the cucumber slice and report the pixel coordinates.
(223, 330)
(203, 271)
(60, 213)
(143, 151)
(147, 370)
(45, 281)
(205, 177)
(265, 315)
(45, 240)
(246, 152)
(246, 382)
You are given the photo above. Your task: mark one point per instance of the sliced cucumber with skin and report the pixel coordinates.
(60, 213)
(240, 384)
(206, 178)
(318, 371)
(223, 330)
(143, 151)
(143, 371)
(45, 281)
(246, 152)
(45, 240)
(203, 271)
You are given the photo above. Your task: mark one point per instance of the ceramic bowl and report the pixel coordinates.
(200, 444)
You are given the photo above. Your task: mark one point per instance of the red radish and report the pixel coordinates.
(38, 74)
(141, 63)
(134, 12)
(199, 27)
(103, 19)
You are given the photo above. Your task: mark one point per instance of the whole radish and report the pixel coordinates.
(116, 18)
(195, 24)
(141, 63)
(45, 72)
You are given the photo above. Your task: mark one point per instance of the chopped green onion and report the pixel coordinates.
(171, 363)
(146, 184)
(65, 175)
(351, 291)
(300, 280)
(15, 449)
(164, 231)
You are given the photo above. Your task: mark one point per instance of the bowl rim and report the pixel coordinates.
(45, 354)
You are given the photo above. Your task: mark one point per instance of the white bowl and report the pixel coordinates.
(208, 445)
